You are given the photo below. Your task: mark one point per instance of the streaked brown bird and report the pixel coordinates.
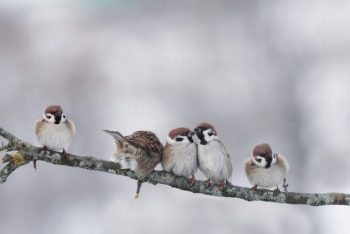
(141, 152)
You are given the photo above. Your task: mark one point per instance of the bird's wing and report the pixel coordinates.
(145, 140)
(223, 149)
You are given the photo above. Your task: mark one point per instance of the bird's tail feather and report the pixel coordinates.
(116, 135)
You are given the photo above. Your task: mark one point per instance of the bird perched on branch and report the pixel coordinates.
(266, 169)
(180, 153)
(54, 131)
(140, 152)
(213, 159)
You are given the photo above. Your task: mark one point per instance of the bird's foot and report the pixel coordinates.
(222, 184)
(254, 188)
(276, 191)
(64, 154)
(207, 183)
(192, 180)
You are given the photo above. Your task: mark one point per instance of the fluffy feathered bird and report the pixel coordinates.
(266, 169)
(213, 160)
(180, 153)
(141, 152)
(54, 131)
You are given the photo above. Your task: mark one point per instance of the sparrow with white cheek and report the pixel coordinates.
(213, 160)
(54, 131)
(266, 169)
(180, 153)
(140, 152)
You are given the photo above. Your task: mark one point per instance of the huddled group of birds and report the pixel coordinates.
(142, 151)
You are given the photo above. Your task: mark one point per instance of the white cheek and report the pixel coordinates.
(170, 141)
(51, 120)
(63, 119)
(209, 138)
(262, 163)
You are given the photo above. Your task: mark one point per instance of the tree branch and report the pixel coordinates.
(26, 153)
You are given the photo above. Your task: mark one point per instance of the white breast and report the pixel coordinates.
(214, 162)
(55, 136)
(183, 162)
(267, 177)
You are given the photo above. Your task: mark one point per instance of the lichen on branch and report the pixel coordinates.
(22, 153)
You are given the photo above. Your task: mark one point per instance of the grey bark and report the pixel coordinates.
(22, 153)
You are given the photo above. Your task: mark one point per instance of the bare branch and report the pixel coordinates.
(14, 143)
(13, 162)
(27, 153)
(4, 147)
(7, 135)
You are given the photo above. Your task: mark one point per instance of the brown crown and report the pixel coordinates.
(262, 149)
(178, 132)
(53, 109)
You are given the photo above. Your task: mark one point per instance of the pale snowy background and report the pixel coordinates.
(260, 71)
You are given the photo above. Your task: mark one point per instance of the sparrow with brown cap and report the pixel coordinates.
(54, 131)
(213, 160)
(266, 169)
(180, 153)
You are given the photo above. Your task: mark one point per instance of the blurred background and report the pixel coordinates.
(259, 71)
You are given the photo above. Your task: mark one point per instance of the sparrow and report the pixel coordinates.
(54, 131)
(266, 169)
(141, 152)
(180, 153)
(213, 160)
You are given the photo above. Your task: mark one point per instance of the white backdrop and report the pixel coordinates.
(258, 71)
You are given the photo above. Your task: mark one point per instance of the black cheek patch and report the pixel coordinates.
(190, 139)
(178, 139)
(200, 136)
(268, 162)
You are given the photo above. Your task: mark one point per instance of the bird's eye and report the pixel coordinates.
(48, 116)
(178, 138)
